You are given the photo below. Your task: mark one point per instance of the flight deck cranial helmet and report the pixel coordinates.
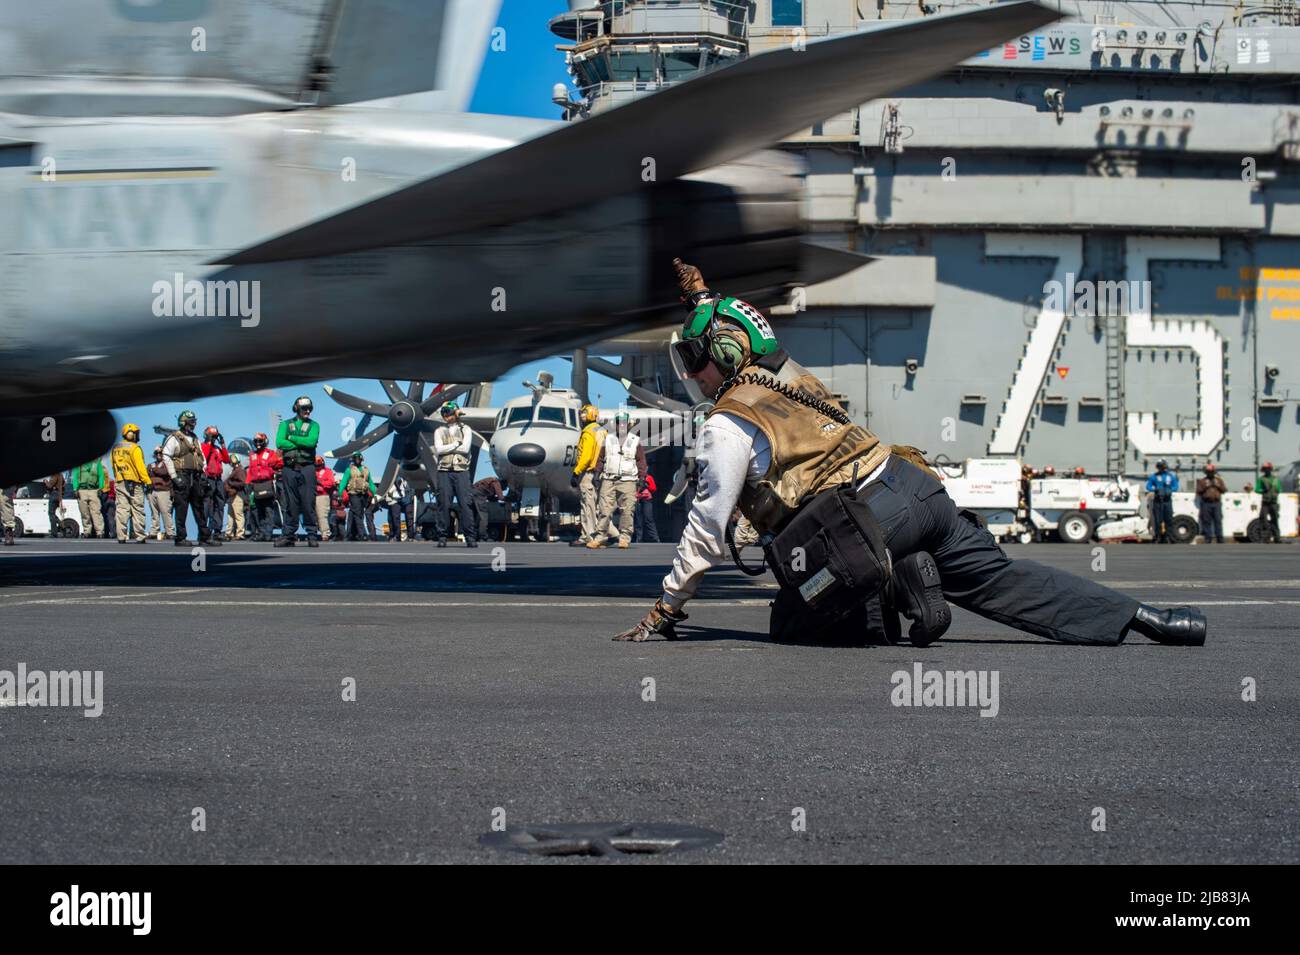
(1161, 464)
(259, 440)
(186, 418)
(302, 403)
(130, 429)
(704, 337)
(449, 409)
(588, 414)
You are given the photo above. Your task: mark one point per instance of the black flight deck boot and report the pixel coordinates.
(1177, 627)
(916, 592)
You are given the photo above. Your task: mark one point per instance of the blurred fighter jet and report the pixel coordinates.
(201, 198)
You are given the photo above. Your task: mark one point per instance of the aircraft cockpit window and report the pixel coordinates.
(520, 415)
(571, 418)
(551, 413)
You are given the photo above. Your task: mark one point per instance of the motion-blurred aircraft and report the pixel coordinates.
(201, 197)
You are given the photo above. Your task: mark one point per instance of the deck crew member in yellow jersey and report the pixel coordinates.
(590, 442)
(132, 477)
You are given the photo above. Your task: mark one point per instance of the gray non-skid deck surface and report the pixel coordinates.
(480, 688)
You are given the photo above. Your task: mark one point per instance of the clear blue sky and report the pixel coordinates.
(516, 82)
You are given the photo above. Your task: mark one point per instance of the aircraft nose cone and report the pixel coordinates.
(526, 455)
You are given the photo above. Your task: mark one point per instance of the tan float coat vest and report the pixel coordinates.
(359, 481)
(810, 452)
(190, 457)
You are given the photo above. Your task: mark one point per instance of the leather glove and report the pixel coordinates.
(691, 281)
(661, 619)
(575, 480)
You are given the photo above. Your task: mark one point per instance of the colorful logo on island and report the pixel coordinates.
(1036, 46)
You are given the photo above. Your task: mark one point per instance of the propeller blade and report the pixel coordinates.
(647, 396)
(361, 443)
(447, 393)
(364, 426)
(390, 472)
(415, 392)
(606, 368)
(679, 485)
(653, 399)
(426, 458)
(390, 388)
(355, 403)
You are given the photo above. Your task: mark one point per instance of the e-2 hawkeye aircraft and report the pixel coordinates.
(531, 439)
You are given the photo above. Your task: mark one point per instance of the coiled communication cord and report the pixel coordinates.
(834, 412)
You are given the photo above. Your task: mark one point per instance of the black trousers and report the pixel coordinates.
(455, 483)
(917, 514)
(214, 504)
(395, 514)
(1268, 517)
(300, 496)
(358, 505)
(188, 494)
(1212, 521)
(644, 529)
(1162, 519)
(264, 510)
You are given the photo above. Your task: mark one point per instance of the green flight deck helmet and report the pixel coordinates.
(700, 342)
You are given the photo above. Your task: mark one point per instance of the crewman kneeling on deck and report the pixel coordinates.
(816, 487)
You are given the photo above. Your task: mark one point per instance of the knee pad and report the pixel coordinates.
(916, 591)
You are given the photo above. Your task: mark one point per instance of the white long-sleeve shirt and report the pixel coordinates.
(730, 452)
(452, 439)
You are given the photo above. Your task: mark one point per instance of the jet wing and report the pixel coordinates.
(320, 52)
(714, 118)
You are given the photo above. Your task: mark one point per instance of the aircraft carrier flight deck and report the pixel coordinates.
(481, 691)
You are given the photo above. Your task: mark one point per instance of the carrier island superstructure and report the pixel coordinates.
(1086, 241)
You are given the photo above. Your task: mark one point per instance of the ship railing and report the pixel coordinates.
(728, 18)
